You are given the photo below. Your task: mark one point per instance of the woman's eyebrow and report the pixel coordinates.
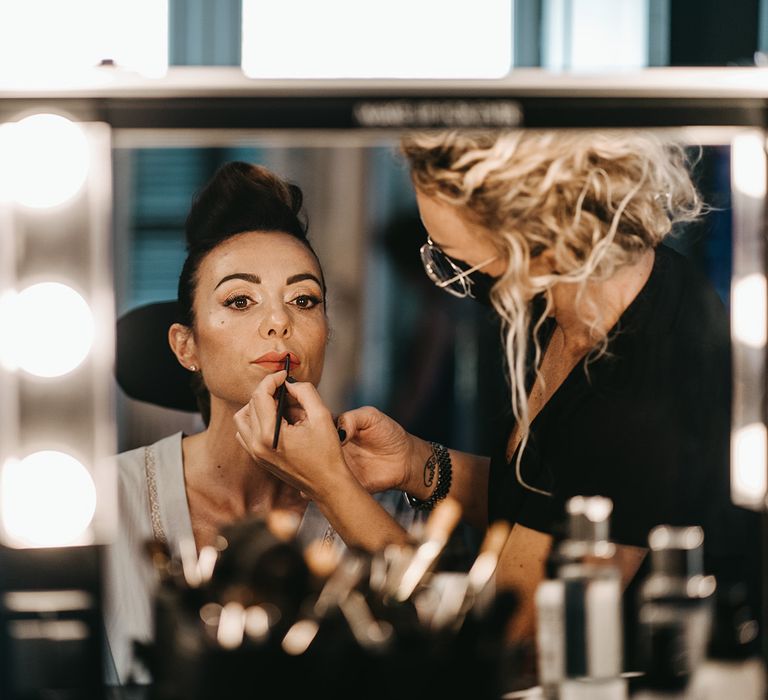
(303, 276)
(247, 276)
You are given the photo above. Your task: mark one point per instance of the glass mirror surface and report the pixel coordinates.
(397, 341)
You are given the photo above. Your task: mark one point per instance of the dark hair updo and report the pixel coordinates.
(239, 198)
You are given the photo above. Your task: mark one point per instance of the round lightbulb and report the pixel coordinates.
(48, 500)
(8, 330)
(6, 171)
(52, 330)
(749, 476)
(45, 160)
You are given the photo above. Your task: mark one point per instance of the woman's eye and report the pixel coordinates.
(306, 301)
(238, 302)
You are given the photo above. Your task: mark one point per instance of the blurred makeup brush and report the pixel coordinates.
(461, 597)
(438, 529)
(337, 588)
(283, 524)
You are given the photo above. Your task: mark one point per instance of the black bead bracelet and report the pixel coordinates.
(440, 461)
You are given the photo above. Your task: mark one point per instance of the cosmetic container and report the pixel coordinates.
(674, 613)
(579, 611)
(733, 667)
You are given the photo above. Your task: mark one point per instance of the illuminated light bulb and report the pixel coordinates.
(368, 31)
(48, 499)
(749, 463)
(50, 330)
(6, 171)
(45, 160)
(7, 330)
(749, 311)
(748, 164)
(52, 44)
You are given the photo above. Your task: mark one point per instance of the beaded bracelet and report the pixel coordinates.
(439, 460)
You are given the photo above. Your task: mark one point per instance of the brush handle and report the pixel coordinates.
(281, 403)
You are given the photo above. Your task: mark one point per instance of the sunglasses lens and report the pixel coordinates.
(440, 269)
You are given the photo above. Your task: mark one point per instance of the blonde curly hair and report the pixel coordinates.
(595, 201)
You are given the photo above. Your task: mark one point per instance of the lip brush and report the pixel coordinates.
(281, 403)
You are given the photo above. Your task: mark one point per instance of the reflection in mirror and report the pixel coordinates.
(650, 417)
(365, 226)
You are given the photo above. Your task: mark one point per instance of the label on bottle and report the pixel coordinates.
(604, 628)
(550, 632)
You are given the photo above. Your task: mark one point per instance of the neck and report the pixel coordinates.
(585, 318)
(216, 464)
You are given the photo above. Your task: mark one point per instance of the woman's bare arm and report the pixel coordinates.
(383, 456)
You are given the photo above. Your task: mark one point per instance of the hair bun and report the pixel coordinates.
(244, 197)
(296, 198)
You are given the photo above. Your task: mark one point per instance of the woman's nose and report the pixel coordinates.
(276, 322)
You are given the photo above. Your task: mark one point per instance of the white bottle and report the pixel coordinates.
(550, 635)
(579, 618)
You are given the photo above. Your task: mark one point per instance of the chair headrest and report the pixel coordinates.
(146, 368)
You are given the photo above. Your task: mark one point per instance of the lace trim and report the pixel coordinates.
(154, 502)
(329, 538)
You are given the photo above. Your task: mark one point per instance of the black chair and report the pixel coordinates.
(142, 333)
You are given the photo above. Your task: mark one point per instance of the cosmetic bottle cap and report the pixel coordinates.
(588, 518)
(677, 551)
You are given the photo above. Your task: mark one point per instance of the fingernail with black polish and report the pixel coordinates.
(291, 380)
(342, 434)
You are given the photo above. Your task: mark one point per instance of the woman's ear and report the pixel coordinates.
(182, 343)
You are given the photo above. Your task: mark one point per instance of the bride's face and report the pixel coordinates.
(259, 297)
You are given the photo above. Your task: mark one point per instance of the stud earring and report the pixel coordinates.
(193, 368)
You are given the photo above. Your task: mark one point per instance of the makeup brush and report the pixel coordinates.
(484, 567)
(456, 603)
(439, 527)
(337, 588)
(283, 524)
(281, 403)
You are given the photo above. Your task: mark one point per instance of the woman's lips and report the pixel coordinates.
(276, 360)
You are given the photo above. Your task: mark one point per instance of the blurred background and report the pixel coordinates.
(398, 342)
